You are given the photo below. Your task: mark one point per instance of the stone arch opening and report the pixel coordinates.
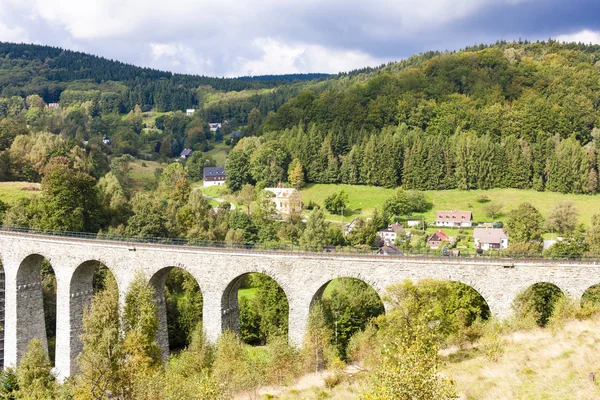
(179, 307)
(591, 296)
(36, 304)
(472, 305)
(88, 279)
(537, 302)
(255, 306)
(349, 304)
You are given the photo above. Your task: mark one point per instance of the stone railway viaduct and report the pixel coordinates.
(302, 276)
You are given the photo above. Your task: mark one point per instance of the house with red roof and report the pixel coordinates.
(436, 239)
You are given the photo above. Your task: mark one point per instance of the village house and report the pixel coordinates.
(436, 239)
(287, 200)
(350, 226)
(390, 233)
(186, 153)
(454, 219)
(53, 106)
(490, 238)
(214, 176)
(411, 223)
(106, 141)
(190, 111)
(214, 126)
(389, 251)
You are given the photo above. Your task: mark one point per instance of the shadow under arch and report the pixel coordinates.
(277, 322)
(87, 279)
(349, 304)
(170, 283)
(538, 301)
(471, 301)
(591, 296)
(36, 304)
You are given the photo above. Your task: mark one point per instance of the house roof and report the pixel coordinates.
(395, 227)
(489, 235)
(389, 250)
(439, 236)
(186, 152)
(236, 134)
(454, 216)
(214, 171)
(283, 192)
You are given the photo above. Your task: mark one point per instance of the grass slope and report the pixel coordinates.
(11, 192)
(538, 364)
(364, 199)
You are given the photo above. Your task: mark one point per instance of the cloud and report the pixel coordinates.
(585, 36)
(232, 37)
(11, 33)
(176, 56)
(300, 57)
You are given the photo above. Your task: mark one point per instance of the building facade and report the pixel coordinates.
(490, 238)
(214, 176)
(454, 219)
(287, 200)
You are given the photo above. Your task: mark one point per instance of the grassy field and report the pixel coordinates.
(11, 192)
(538, 364)
(143, 176)
(219, 152)
(364, 199)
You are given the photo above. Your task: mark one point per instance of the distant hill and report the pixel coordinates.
(50, 71)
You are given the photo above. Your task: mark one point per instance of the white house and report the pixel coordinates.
(287, 200)
(454, 219)
(190, 111)
(490, 238)
(411, 223)
(214, 176)
(390, 233)
(214, 126)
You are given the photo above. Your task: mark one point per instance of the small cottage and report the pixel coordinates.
(490, 238)
(436, 239)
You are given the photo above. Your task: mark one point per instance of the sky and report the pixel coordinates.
(257, 37)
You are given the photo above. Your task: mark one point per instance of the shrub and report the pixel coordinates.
(482, 198)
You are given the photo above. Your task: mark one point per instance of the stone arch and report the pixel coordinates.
(158, 281)
(31, 322)
(346, 318)
(486, 308)
(318, 295)
(591, 295)
(230, 304)
(81, 291)
(547, 293)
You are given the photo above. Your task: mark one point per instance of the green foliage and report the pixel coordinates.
(563, 217)
(537, 302)
(524, 224)
(98, 363)
(348, 309)
(33, 373)
(315, 233)
(410, 370)
(336, 203)
(184, 307)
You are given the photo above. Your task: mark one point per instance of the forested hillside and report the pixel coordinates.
(518, 115)
(70, 77)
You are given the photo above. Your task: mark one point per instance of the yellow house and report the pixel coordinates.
(287, 200)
